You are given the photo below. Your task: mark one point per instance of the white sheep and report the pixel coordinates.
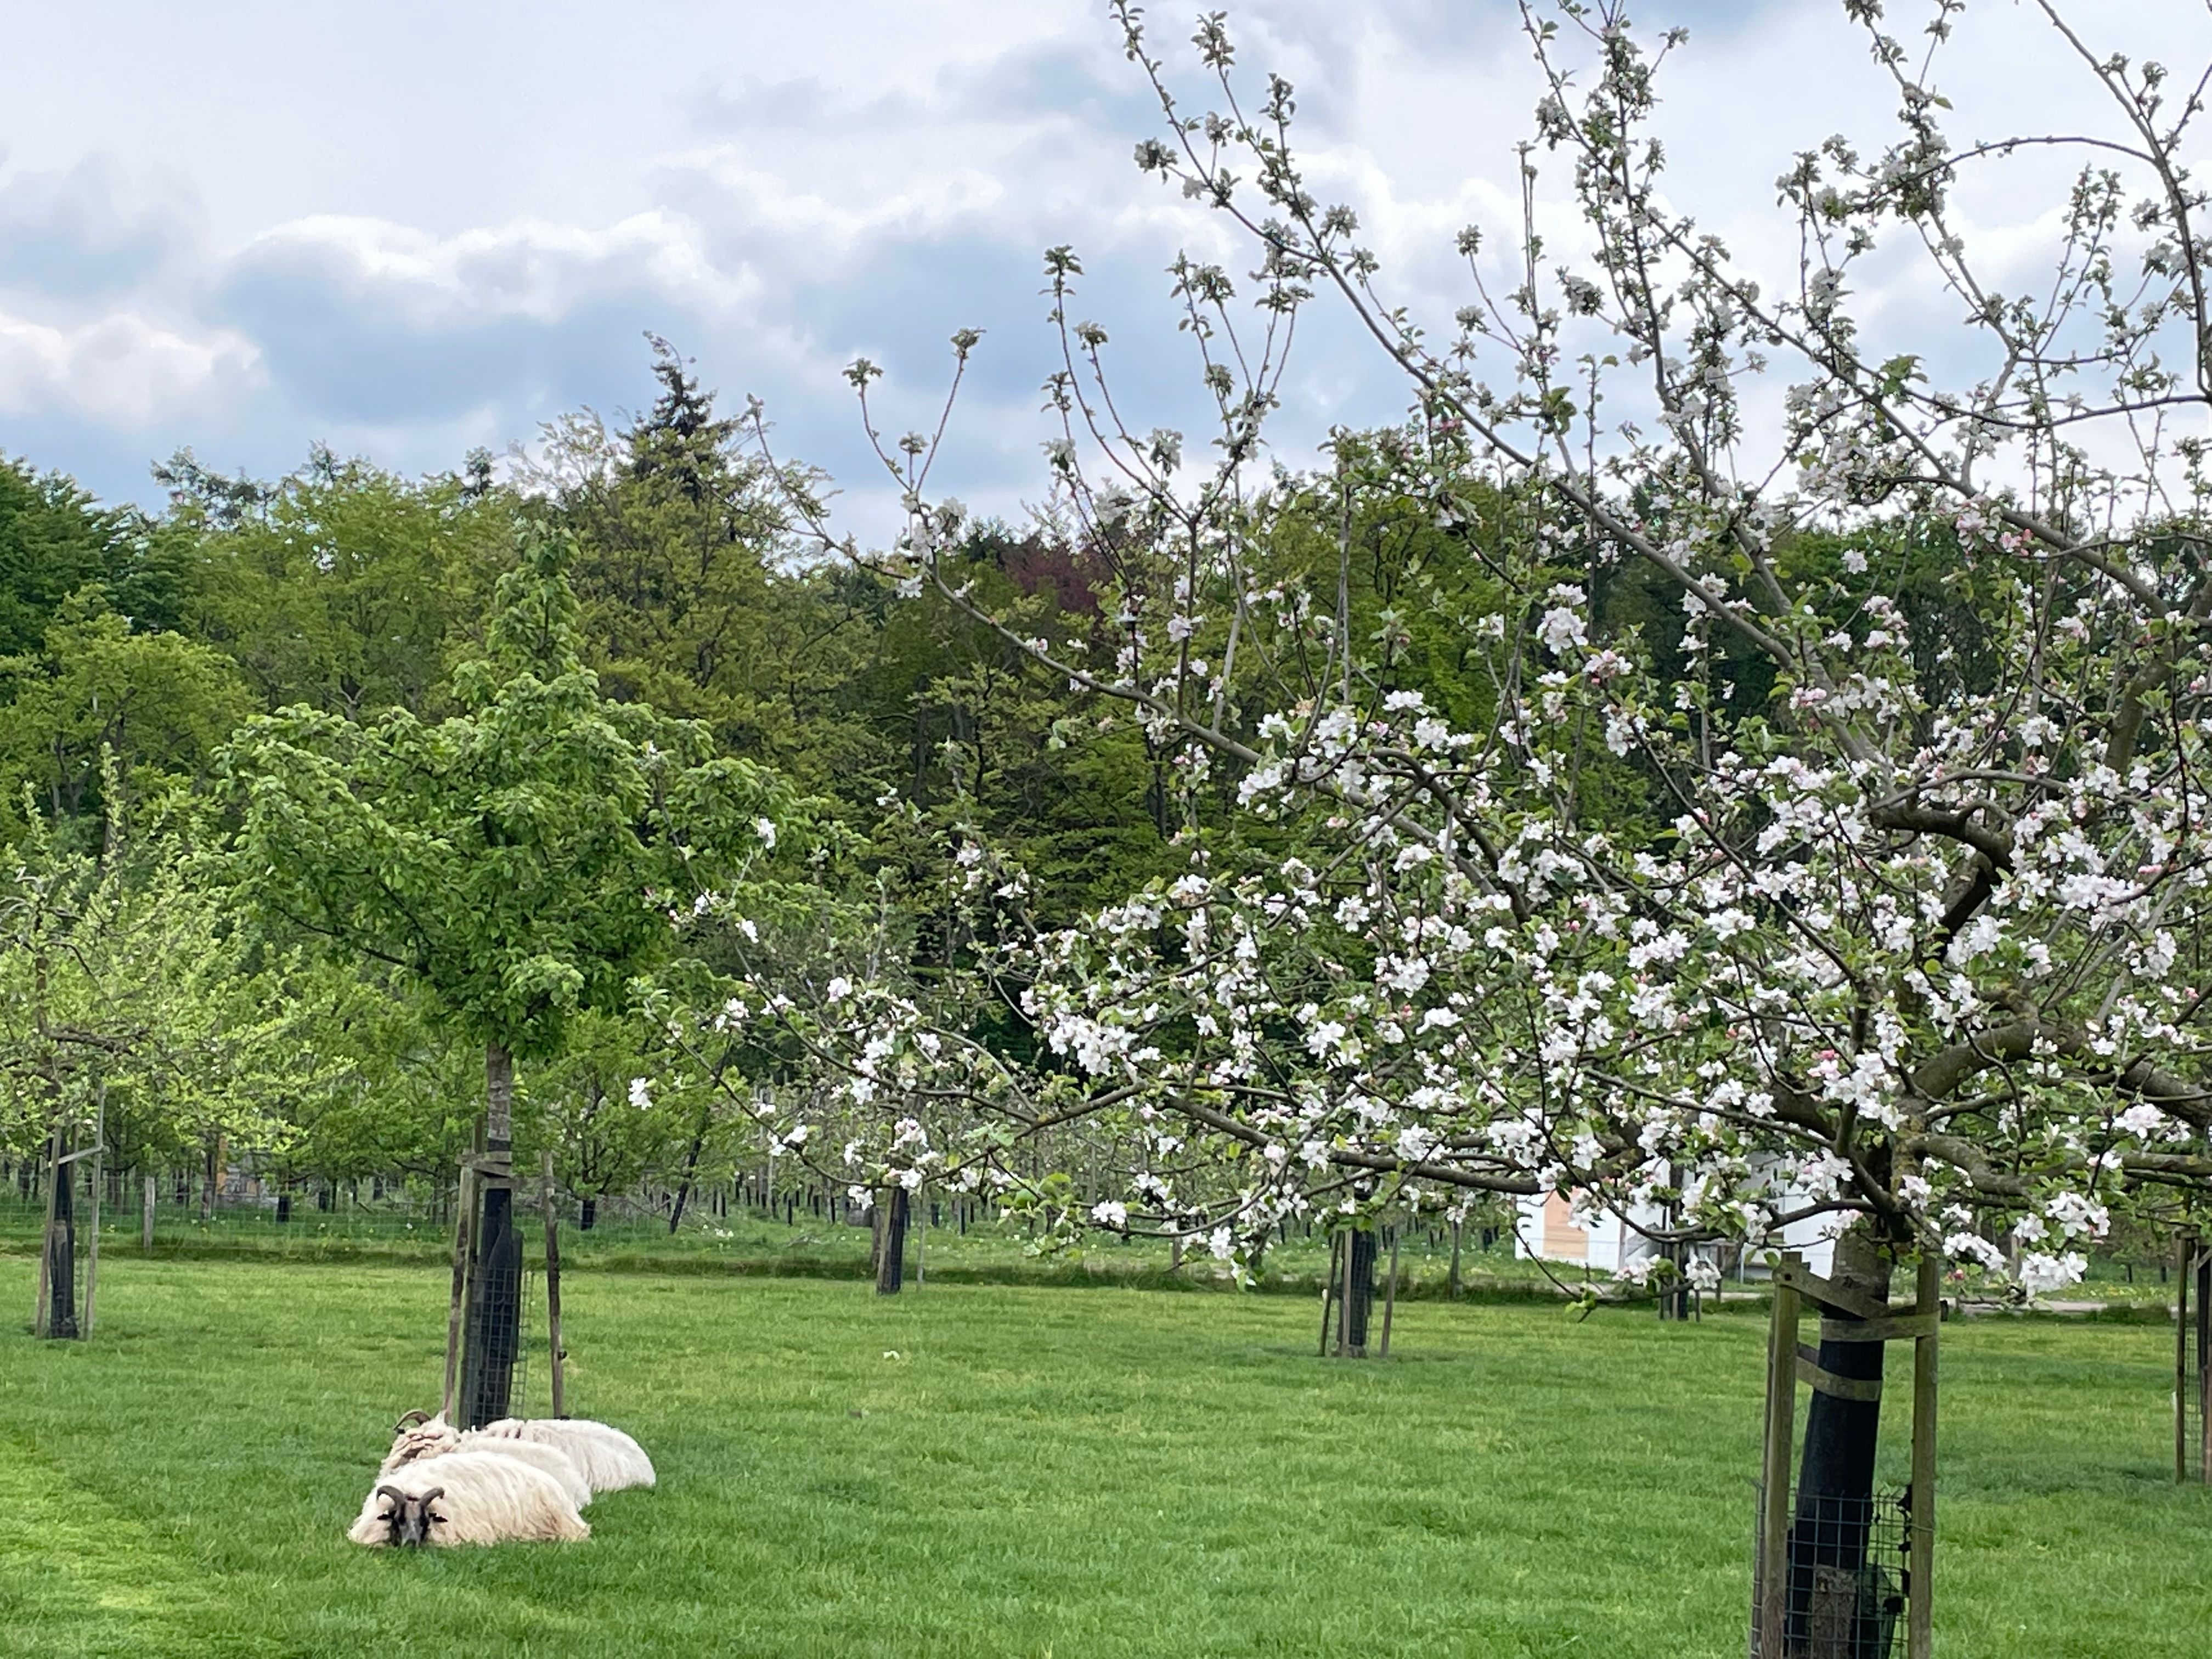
(607, 1459)
(435, 1437)
(466, 1497)
(610, 1459)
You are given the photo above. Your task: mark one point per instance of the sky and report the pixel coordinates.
(410, 228)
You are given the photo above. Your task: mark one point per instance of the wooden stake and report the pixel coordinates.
(1390, 1293)
(553, 1291)
(1328, 1290)
(462, 1205)
(2204, 1363)
(145, 1219)
(921, 1233)
(1920, 1543)
(91, 1250)
(2181, 1360)
(1781, 1424)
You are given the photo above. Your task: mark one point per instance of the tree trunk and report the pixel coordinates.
(587, 1214)
(1835, 1479)
(210, 1172)
(1458, 1228)
(890, 1251)
(496, 1285)
(690, 1168)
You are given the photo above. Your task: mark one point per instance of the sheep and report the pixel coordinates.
(607, 1459)
(466, 1497)
(610, 1459)
(435, 1437)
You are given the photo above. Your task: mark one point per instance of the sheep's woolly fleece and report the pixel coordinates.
(486, 1499)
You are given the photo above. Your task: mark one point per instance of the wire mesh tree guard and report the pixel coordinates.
(1833, 1577)
(59, 1313)
(488, 1339)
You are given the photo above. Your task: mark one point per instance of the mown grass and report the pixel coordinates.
(1036, 1473)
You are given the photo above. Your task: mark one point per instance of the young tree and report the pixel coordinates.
(127, 1008)
(517, 864)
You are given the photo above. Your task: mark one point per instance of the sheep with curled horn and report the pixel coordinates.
(422, 1438)
(607, 1459)
(466, 1497)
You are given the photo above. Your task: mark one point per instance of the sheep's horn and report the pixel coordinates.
(408, 1420)
(392, 1493)
(433, 1495)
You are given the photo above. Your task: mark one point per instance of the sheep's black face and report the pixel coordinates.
(412, 1518)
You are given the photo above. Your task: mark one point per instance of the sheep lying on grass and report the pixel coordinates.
(607, 1459)
(610, 1459)
(466, 1497)
(436, 1438)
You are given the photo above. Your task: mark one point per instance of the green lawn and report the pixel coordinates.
(1039, 1471)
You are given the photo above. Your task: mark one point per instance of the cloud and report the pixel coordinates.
(803, 188)
(363, 321)
(122, 370)
(90, 230)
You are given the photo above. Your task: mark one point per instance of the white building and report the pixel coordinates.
(1548, 1228)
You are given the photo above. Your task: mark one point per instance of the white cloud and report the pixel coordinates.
(122, 369)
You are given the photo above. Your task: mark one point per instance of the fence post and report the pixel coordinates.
(145, 1219)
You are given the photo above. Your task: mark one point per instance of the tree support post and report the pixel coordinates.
(146, 1219)
(92, 1247)
(1808, 1603)
(463, 1211)
(553, 1348)
(1920, 1510)
(2204, 1363)
(495, 1289)
(1329, 1287)
(1773, 1567)
(1390, 1294)
(2182, 1251)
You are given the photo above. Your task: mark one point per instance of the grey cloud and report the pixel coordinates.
(90, 231)
(1091, 85)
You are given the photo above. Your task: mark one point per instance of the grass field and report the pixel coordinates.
(1039, 1471)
